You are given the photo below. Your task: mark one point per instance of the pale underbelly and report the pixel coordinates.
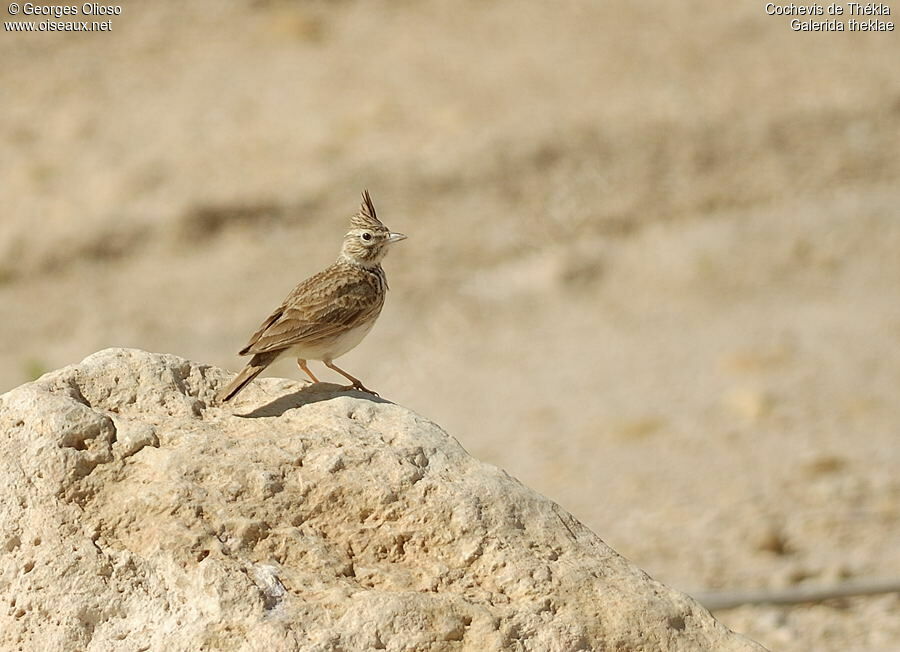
(331, 349)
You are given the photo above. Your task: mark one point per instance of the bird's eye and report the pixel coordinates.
(366, 236)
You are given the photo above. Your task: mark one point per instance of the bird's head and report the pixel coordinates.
(368, 240)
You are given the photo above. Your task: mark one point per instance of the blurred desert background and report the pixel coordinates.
(653, 266)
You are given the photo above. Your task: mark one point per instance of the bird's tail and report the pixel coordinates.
(255, 367)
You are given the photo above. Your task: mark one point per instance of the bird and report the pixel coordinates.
(329, 313)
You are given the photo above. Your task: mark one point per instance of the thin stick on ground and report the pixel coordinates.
(718, 600)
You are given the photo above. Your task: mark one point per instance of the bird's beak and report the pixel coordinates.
(395, 237)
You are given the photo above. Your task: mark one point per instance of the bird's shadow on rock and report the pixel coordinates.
(309, 394)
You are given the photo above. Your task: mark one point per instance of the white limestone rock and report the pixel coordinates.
(139, 515)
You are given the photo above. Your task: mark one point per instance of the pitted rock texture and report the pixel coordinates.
(139, 515)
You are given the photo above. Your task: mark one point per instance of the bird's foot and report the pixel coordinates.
(359, 387)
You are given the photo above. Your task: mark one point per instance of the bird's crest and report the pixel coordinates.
(366, 217)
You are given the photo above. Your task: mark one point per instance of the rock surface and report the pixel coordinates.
(139, 515)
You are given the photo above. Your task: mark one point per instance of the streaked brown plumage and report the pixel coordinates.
(329, 313)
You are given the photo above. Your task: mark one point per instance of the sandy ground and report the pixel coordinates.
(653, 268)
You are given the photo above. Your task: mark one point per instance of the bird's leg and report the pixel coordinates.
(357, 383)
(302, 365)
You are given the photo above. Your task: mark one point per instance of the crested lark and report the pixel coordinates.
(329, 313)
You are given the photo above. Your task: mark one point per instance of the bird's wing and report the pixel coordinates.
(319, 308)
(270, 320)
